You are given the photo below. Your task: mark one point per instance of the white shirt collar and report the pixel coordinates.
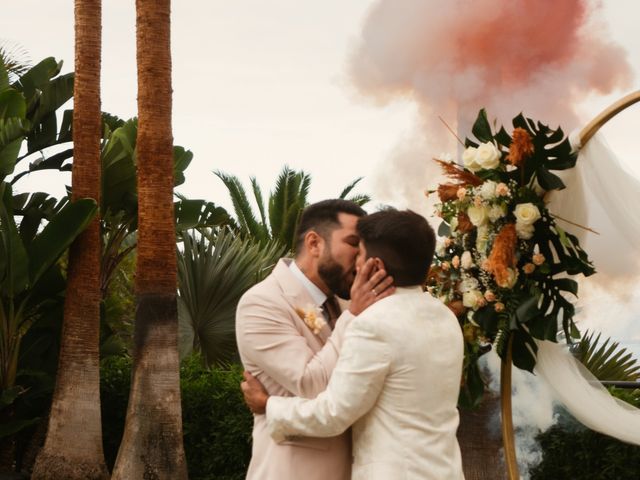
(317, 295)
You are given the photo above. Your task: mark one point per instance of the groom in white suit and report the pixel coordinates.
(398, 375)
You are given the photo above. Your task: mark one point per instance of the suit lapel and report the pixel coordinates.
(295, 294)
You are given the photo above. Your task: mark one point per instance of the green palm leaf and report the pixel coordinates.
(245, 216)
(607, 361)
(214, 270)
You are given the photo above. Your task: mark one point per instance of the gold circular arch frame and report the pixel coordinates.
(508, 439)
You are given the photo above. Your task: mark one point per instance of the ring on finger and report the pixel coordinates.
(373, 290)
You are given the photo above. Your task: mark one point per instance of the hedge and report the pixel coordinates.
(216, 423)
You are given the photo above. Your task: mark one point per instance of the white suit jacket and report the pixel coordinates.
(398, 379)
(278, 348)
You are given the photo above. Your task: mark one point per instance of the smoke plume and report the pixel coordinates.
(453, 58)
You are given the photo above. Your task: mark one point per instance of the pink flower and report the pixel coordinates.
(502, 190)
(538, 259)
(455, 261)
(499, 307)
(528, 268)
(461, 193)
(489, 296)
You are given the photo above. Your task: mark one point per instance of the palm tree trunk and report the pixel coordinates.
(152, 442)
(73, 446)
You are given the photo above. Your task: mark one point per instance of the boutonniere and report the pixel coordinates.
(312, 316)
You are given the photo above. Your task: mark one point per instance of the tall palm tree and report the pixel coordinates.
(285, 204)
(73, 446)
(152, 441)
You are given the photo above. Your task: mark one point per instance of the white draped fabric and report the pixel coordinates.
(583, 395)
(603, 195)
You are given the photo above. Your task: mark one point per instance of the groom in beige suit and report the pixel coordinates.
(398, 375)
(290, 329)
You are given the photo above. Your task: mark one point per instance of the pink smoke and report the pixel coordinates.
(453, 58)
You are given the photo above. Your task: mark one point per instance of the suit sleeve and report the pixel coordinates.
(353, 389)
(268, 338)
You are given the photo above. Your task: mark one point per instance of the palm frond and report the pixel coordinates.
(257, 193)
(286, 204)
(242, 208)
(214, 270)
(15, 60)
(360, 199)
(608, 360)
(347, 190)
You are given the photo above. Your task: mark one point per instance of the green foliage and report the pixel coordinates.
(216, 423)
(285, 204)
(214, 270)
(572, 451)
(607, 362)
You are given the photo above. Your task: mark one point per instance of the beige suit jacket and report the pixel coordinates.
(398, 379)
(278, 348)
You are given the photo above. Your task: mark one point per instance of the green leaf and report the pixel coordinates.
(14, 278)
(481, 128)
(528, 309)
(12, 104)
(56, 237)
(444, 230)
(523, 350)
(181, 160)
(37, 76)
(199, 214)
(567, 284)
(12, 427)
(548, 180)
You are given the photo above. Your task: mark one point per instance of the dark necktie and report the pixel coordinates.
(332, 309)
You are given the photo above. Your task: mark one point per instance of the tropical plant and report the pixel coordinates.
(606, 361)
(73, 445)
(278, 221)
(14, 58)
(214, 270)
(152, 444)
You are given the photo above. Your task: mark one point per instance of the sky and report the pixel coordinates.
(260, 84)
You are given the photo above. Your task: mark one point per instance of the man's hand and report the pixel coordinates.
(255, 395)
(370, 285)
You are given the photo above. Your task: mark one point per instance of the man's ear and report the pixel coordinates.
(313, 243)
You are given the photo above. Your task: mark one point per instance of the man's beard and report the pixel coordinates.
(334, 276)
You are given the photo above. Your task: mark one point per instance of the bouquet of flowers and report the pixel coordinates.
(503, 262)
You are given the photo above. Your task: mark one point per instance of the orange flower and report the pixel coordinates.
(448, 191)
(464, 224)
(521, 147)
(503, 254)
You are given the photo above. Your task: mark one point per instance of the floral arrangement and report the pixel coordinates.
(312, 316)
(503, 261)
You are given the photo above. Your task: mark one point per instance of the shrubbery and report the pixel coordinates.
(216, 423)
(571, 451)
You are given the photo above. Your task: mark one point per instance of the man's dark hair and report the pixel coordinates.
(403, 240)
(322, 217)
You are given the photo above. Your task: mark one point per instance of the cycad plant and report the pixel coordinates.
(608, 360)
(215, 267)
(286, 201)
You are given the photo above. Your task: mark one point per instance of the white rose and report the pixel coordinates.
(524, 231)
(468, 284)
(466, 260)
(526, 213)
(469, 159)
(496, 212)
(440, 249)
(488, 156)
(477, 215)
(472, 299)
(488, 190)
